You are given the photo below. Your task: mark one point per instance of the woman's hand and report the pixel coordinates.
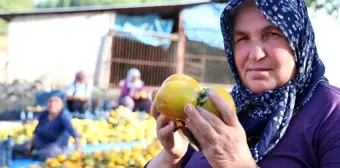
(81, 98)
(136, 95)
(79, 147)
(175, 144)
(29, 146)
(223, 141)
(79, 150)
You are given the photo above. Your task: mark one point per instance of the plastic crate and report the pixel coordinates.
(6, 148)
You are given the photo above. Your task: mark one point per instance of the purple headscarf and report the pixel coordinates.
(80, 75)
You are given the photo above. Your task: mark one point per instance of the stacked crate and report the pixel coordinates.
(6, 148)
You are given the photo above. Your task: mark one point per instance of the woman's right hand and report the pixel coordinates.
(175, 144)
(29, 146)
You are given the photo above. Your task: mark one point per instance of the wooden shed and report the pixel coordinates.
(110, 54)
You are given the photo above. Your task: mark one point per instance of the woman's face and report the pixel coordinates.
(54, 105)
(263, 57)
(135, 78)
(83, 79)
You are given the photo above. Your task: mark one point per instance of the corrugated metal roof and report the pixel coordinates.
(131, 8)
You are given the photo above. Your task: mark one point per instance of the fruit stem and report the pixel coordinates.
(202, 97)
(192, 140)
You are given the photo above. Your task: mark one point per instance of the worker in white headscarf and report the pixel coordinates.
(134, 94)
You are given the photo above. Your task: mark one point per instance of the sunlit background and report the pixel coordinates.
(43, 43)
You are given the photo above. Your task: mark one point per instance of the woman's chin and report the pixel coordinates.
(260, 86)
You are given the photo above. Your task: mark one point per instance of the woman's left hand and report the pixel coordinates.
(136, 96)
(79, 150)
(223, 141)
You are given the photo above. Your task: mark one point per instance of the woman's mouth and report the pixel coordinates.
(259, 69)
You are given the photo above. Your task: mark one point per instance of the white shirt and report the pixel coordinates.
(79, 89)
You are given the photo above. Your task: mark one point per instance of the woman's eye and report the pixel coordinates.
(271, 34)
(242, 39)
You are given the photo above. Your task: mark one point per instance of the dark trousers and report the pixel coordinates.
(20, 151)
(136, 105)
(77, 106)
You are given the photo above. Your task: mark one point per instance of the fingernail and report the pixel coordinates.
(199, 109)
(210, 92)
(171, 124)
(188, 108)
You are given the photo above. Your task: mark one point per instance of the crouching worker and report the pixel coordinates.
(51, 136)
(133, 92)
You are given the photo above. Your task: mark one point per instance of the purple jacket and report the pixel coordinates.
(311, 141)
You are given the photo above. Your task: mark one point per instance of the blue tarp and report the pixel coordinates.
(202, 24)
(135, 25)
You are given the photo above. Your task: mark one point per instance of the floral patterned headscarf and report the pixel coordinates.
(266, 116)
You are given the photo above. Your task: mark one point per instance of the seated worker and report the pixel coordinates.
(133, 93)
(79, 94)
(51, 136)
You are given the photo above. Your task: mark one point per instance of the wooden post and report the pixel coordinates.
(103, 71)
(203, 70)
(108, 56)
(180, 47)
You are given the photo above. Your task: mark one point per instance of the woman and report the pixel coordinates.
(133, 94)
(287, 113)
(52, 133)
(79, 94)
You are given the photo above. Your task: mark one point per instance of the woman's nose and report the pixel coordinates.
(257, 52)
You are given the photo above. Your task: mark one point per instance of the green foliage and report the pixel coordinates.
(16, 5)
(13, 6)
(332, 7)
(68, 3)
(3, 27)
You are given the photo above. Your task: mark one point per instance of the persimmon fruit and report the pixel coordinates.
(173, 96)
(179, 89)
(205, 103)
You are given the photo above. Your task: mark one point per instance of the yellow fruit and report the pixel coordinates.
(97, 155)
(105, 153)
(48, 161)
(111, 165)
(71, 140)
(79, 164)
(184, 78)
(75, 156)
(141, 162)
(173, 96)
(89, 163)
(120, 161)
(54, 163)
(83, 141)
(137, 149)
(68, 164)
(32, 166)
(61, 158)
(148, 157)
(112, 158)
(222, 92)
